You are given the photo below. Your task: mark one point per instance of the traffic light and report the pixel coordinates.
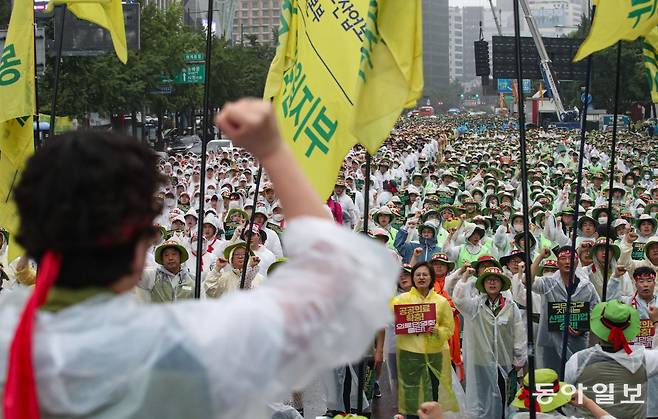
(481, 58)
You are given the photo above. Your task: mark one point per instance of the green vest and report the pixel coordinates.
(466, 256)
(164, 292)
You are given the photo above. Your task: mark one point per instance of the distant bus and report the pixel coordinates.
(426, 111)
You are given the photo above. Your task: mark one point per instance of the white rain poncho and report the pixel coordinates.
(643, 308)
(552, 289)
(493, 346)
(111, 357)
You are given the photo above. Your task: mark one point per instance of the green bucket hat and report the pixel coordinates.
(493, 271)
(616, 323)
(277, 263)
(652, 240)
(233, 211)
(171, 244)
(554, 398)
(600, 242)
(228, 252)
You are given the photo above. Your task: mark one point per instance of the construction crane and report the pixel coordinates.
(545, 61)
(493, 10)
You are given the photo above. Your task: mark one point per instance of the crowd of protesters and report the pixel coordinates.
(447, 204)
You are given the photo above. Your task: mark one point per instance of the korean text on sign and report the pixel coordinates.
(578, 317)
(414, 318)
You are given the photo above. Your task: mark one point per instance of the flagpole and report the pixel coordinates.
(526, 215)
(59, 40)
(205, 138)
(243, 276)
(37, 132)
(574, 234)
(366, 221)
(613, 156)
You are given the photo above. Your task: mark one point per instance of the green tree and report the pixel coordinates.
(238, 70)
(103, 84)
(5, 13)
(633, 76)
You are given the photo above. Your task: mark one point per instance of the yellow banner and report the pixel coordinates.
(618, 20)
(391, 73)
(105, 13)
(17, 64)
(16, 146)
(343, 71)
(650, 55)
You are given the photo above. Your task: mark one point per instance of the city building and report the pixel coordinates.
(456, 43)
(436, 45)
(554, 18)
(196, 14)
(258, 18)
(473, 18)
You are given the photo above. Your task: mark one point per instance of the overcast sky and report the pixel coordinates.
(470, 3)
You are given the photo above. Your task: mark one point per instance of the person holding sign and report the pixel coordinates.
(424, 323)
(494, 342)
(615, 370)
(650, 250)
(554, 288)
(643, 300)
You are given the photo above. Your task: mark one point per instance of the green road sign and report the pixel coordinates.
(192, 74)
(195, 57)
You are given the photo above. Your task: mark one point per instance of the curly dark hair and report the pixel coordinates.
(76, 197)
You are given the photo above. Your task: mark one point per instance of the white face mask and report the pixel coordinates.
(277, 217)
(647, 176)
(518, 227)
(603, 220)
(490, 191)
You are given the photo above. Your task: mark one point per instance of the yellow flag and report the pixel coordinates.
(16, 146)
(343, 71)
(650, 54)
(618, 20)
(17, 64)
(105, 13)
(391, 73)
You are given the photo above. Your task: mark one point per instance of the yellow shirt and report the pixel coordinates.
(436, 341)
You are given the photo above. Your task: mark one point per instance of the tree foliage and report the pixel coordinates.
(103, 84)
(634, 87)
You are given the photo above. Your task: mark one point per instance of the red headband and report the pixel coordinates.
(20, 397)
(616, 336)
(564, 253)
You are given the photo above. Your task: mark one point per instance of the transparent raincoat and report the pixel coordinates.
(493, 347)
(552, 289)
(111, 357)
(617, 375)
(423, 359)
